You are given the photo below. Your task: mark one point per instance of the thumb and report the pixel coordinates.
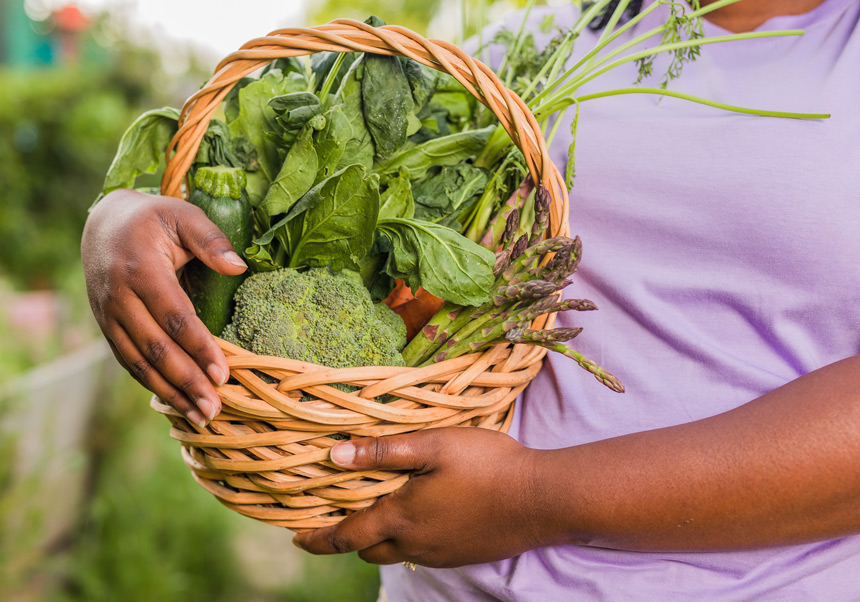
(207, 242)
(397, 452)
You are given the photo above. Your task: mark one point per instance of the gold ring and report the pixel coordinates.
(409, 565)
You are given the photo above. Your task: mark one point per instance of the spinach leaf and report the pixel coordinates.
(438, 259)
(142, 148)
(297, 174)
(231, 101)
(387, 103)
(397, 200)
(286, 65)
(359, 148)
(338, 227)
(256, 121)
(259, 259)
(294, 111)
(374, 278)
(322, 63)
(218, 148)
(457, 107)
(449, 191)
(330, 143)
(422, 81)
(448, 150)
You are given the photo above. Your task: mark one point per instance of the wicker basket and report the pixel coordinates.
(267, 454)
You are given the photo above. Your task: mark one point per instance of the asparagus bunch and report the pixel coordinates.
(524, 290)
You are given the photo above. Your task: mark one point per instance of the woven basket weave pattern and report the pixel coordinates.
(266, 454)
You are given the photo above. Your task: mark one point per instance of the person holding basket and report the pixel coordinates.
(720, 250)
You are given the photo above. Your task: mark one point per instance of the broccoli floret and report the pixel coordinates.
(315, 316)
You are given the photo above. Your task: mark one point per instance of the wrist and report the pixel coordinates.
(545, 502)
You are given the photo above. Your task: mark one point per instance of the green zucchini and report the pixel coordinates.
(220, 193)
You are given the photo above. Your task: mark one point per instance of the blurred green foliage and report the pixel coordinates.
(149, 532)
(413, 14)
(58, 132)
(59, 129)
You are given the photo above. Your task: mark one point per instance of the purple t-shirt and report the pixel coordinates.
(722, 250)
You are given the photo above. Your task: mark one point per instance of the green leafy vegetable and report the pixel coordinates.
(294, 111)
(330, 143)
(422, 82)
(296, 176)
(219, 149)
(397, 199)
(337, 227)
(448, 192)
(359, 148)
(255, 119)
(142, 148)
(449, 150)
(323, 62)
(387, 102)
(438, 259)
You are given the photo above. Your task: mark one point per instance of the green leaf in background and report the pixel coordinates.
(296, 176)
(359, 149)
(438, 259)
(397, 200)
(449, 150)
(142, 148)
(338, 226)
(256, 119)
(448, 192)
(387, 103)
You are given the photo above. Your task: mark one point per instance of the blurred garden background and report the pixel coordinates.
(95, 501)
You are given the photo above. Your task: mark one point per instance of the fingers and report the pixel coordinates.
(199, 235)
(414, 451)
(386, 552)
(356, 532)
(149, 377)
(162, 365)
(165, 300)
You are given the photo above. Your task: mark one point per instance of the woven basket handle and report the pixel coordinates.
(347, 35)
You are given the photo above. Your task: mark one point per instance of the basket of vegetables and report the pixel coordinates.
(385, 173)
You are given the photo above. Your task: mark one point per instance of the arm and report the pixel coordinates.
(132, 246)
(782, 469)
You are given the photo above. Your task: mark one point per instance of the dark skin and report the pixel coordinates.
(781, 469)
(132, 247)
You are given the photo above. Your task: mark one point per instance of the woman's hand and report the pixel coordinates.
(132, 246)
(470, 500)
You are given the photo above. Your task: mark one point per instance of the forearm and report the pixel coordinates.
(782, 469)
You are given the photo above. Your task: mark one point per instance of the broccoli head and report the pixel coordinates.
(315, 316)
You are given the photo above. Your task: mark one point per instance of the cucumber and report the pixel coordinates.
(220, 193)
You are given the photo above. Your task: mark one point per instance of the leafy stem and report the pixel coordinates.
(689, 97)
(583, 78)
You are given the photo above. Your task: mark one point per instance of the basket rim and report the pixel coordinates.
(348, 35)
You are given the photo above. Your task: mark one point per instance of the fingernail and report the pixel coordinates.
(298, 544)
(208, 407)
(343, 454)
(234, 259)
(216, 374)
(197, 418)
